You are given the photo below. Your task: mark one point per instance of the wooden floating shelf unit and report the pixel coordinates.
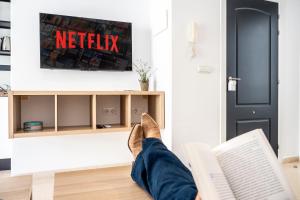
(68, 113)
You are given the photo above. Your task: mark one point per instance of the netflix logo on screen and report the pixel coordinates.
(78, 43)
(67, 39)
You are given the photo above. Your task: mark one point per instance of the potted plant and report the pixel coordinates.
(145, 72)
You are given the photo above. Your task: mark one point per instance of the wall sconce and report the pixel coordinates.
(192, 38)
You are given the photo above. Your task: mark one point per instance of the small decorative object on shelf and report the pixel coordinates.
(144, 71)
(103, 126)
(33, 126)
(5, 44)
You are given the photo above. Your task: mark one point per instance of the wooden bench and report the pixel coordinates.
(97, 184)
(15, 188)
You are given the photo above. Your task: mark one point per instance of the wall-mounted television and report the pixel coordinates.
(84, 44)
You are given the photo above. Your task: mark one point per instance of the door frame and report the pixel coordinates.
(223, 73)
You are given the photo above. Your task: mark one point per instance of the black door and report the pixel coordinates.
(252, 68)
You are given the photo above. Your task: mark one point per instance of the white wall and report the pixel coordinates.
(196, 107)
(69, 152)
(161, 23)
(64, 152)
(289, 51)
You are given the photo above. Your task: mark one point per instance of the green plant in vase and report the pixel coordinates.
(144, 71)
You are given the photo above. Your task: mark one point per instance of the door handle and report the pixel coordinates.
(232, 82)
(234, 79)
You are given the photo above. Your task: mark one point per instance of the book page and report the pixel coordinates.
(208, 175)
(252, 169)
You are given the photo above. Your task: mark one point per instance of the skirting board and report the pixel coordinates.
(5, 164)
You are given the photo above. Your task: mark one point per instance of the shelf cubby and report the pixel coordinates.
(67, 113)
(111, 110)
(33, 108)
(152, 104)
(74, 113)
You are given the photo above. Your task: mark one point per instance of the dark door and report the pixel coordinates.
(252, 64)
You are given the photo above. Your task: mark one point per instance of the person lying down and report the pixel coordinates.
(243, 168)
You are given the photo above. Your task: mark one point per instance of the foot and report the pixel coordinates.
(135, 140)
(150, 127)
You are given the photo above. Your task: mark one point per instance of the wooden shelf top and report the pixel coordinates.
(124, 92)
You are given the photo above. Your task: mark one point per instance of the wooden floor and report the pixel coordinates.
(98, 184)
(15, 188)
(292, 171)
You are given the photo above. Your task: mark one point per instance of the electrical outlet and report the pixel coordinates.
(135, 111)
(205, 69)
(110, 110)
(139, 105)
(106, 110)
(113, 111)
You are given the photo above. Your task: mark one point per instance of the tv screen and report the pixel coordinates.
(84, 44)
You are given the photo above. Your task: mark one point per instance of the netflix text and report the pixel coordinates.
(66, 39)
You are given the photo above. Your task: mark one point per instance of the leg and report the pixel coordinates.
(161, 173)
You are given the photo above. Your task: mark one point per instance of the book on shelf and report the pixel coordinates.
(243, 168)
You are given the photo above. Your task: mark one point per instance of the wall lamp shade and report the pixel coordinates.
(192, 34)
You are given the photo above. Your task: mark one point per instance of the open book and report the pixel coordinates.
(244, 168)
